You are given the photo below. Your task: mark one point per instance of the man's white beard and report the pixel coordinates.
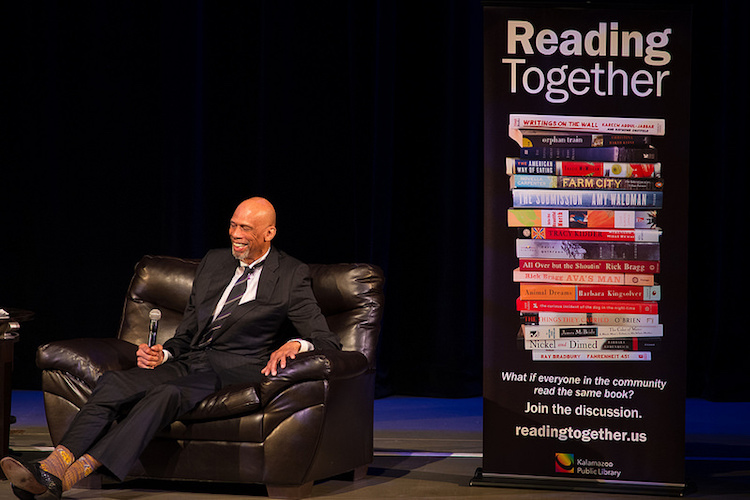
(241, 255)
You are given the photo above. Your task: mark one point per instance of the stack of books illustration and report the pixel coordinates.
(586, 192)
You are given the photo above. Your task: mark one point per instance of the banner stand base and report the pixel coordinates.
(482, 478)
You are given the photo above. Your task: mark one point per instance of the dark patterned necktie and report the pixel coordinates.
(233, 299)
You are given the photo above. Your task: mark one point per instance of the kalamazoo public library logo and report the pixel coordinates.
(566, 463)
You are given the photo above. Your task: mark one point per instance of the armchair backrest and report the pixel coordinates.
(350, 297)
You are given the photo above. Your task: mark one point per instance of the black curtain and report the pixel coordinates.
(719, 176)
(136, 127)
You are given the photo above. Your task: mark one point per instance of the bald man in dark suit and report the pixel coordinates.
(228, 335)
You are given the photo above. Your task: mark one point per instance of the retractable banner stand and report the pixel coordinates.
(585, 247)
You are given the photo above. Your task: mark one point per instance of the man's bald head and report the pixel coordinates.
(251, 229)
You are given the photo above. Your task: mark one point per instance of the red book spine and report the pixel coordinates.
(599, 169)
(597, 266)
(588, 306)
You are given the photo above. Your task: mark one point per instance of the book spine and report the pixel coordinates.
(600, 219)
(587, 318)
(584, 278)
(595, 344)
(603, 307)
(592, 266)
(543, 355)
(553, 233)
(611, 154)
(602, 124)
(527, 181)
(547, 291)
(538, 138)
(581, 199)
(530, 167)
(593, 250)
(582, 168)
(600, 331)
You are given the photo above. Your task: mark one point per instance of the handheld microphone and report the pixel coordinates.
(154, 316)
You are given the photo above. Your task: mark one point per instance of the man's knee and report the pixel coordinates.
(114, 387)
(163, 391)
(109, 377)
(167, 396)
(108, 380)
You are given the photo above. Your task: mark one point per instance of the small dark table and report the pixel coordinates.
(6, 370)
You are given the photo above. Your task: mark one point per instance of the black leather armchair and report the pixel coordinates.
(311, 421)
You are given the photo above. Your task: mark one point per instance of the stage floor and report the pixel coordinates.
(429, 448)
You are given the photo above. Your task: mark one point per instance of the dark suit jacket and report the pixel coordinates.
(255, 329)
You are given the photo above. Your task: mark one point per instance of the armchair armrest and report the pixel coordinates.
(314, 365)
(230, 401)
(86, 359)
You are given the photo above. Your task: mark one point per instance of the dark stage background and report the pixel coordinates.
(134, 128)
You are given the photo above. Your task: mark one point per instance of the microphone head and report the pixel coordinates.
(154, 315)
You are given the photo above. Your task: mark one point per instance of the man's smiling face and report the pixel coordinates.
(251, 229)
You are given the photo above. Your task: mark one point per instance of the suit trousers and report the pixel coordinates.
(127, 409)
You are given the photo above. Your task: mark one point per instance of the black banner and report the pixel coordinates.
(587, 392)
